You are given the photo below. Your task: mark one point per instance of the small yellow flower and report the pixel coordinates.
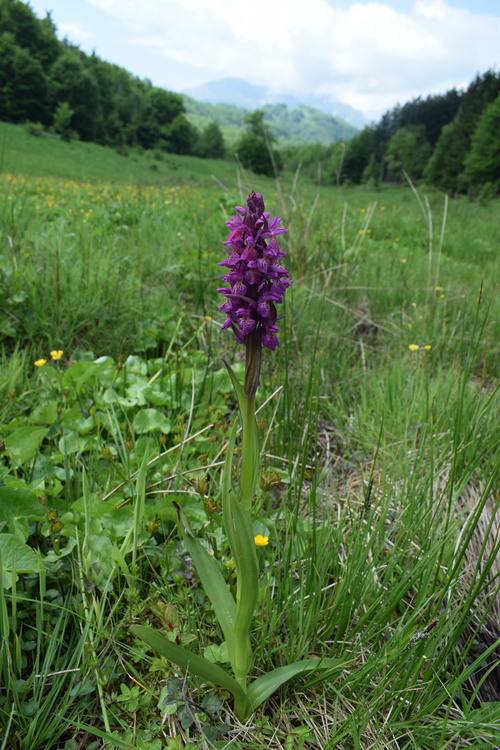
(404, 260)
(261, 541)
(396, 239)
(428, 347)
(208, 317)
(40, 362)
(414, 347)
(441, 296)
(439, 289)
(56, 353)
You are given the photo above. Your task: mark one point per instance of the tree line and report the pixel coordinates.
(450, 141)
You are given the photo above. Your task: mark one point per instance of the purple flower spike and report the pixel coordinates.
(257, 280)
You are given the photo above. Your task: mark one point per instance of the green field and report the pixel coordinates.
(379, 438)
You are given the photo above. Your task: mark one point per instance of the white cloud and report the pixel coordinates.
(368, 55)
(74, 32)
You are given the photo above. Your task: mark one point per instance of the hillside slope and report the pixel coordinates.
(289, 126)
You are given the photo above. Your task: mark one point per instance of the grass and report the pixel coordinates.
(381, 509)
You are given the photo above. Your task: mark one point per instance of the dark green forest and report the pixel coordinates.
(450, 141)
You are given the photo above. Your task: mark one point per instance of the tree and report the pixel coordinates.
(357, 155)
(371, 173)
(211, 143)
(179, 137)
(62, 121)
(254, 149)
(160, 109)
(30, 34)
(482, 163)
(446, 166)
(408, 150)
(23, 84)
(73, 83)
(446, 161)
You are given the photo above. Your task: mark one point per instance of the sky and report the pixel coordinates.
(370, 54)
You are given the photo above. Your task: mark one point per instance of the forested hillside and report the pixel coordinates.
(288, 126)
(451, 141)
(53, 83)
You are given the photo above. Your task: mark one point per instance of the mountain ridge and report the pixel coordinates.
(241, 93)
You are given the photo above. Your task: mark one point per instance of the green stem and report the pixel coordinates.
(240, 704)
(249, 455)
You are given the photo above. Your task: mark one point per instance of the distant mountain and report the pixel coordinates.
(243, 94)
(288, 126)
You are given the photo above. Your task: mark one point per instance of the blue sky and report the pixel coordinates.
(370, 54)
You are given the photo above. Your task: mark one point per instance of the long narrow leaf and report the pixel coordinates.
(268, 683)
(245, 559)
(212, 580)
(215, 588)
(186, 660)
(236, 385)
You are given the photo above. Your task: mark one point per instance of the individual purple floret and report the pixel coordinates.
(257, 279)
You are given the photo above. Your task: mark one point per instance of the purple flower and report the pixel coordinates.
(257, 280)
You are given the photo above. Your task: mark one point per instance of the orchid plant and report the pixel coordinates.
(257, 282)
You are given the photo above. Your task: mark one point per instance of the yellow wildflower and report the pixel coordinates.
(428, 347)
(56, 353)
(40, 362)
(439, 289)
(414, 347)
(261, 541)
(404, 260)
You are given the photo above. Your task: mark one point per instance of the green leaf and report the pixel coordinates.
(71, 442)
(17, 507)
(52, 556)
(45, 413)
(147, 420)
(267, 684)
(212, 581)
(217, 654)
(215, 588)
(187, 660)
(236, 385)
(136, 365)
(110, 396)
(16, 555)
(24, 443)
(99, 549)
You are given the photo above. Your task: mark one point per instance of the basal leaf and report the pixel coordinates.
(187, 660)
(268, 683)
(24, 443)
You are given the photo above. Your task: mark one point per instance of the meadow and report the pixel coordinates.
(378, 423)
